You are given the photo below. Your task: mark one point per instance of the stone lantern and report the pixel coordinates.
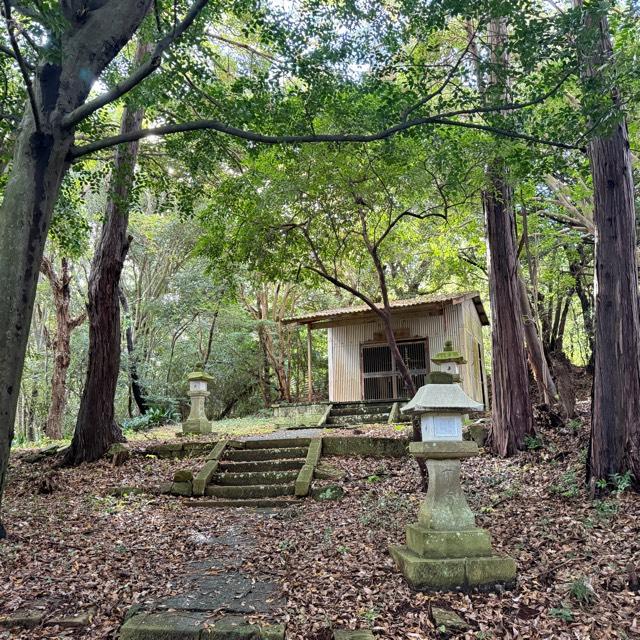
(197, 421)
(449, 359)
(445, 550)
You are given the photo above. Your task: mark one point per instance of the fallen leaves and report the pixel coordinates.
(79, 548)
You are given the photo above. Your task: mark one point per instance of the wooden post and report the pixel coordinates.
(309, 352)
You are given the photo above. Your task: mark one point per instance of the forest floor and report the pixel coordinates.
(77, 548)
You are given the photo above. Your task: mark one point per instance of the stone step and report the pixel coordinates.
(218, 503)
(191, 625)
(250, 491)
(255, 477)
(369, 418)
(354, 410)
(291, 464)
(245, 455)
(276, 443)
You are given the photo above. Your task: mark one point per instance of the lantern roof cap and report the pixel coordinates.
(448, 354)
(441, 397)
(199, 375)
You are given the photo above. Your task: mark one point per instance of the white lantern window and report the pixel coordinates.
(441, 427)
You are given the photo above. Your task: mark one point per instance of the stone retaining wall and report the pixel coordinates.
(373, 447)
(299, 409)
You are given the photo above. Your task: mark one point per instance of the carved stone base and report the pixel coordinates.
(449, 574)
(201, 425)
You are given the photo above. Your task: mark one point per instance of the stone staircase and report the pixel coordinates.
(260, 472)
(352, 414)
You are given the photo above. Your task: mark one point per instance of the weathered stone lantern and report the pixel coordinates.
(197, 421)
(445, 550)
(449, 359)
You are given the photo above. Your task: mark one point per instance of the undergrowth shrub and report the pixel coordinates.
(155, 417)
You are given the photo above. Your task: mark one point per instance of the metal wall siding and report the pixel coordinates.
(472, 338)
(345, 380)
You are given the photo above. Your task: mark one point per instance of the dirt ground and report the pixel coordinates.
(77, 548)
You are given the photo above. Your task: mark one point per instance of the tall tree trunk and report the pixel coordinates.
(535, 349)
(139, 393)
(96, 428)
(512, 417)
(40, 162)
(615, 427)
(615, 433)
(61, 343)
(38, 169)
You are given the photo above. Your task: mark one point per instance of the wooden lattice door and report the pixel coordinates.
(380, 378)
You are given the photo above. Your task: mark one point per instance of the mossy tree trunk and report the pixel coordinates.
(40, 162)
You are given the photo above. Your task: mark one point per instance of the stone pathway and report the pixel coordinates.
(214, 598)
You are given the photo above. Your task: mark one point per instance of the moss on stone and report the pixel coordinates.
(303, 481)
(181, 489)
(372, 447)
(331, 492)
(429, 574)
(183, 475)
(328, 472)
(168, 625)
(166, 450)
(478, 432)
(448, 620)
(250, 491)
(272, 632)
(448, 544)
(314, 452)
(449, 574)
(348, 634)
(217, 450)
(483, 572)
(205, 474)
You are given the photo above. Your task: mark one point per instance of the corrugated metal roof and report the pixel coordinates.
(340, 313)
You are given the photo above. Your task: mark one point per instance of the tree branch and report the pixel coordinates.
(9, 52)
(445, 82)
(242, 45)
(24, 68)
(407, 214)
(220, 127)
(146, 69)
(77, 321)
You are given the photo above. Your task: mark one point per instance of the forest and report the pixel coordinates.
(189, 185)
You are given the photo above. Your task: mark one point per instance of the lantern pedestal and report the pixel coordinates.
(445, 550)
(197, 421)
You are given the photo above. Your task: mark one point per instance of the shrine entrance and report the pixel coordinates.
(380, 378)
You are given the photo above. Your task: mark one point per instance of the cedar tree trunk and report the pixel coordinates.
(512, 417)
(96, 428)
(615, 425)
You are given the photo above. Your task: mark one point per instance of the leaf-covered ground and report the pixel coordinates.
(78, 548)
